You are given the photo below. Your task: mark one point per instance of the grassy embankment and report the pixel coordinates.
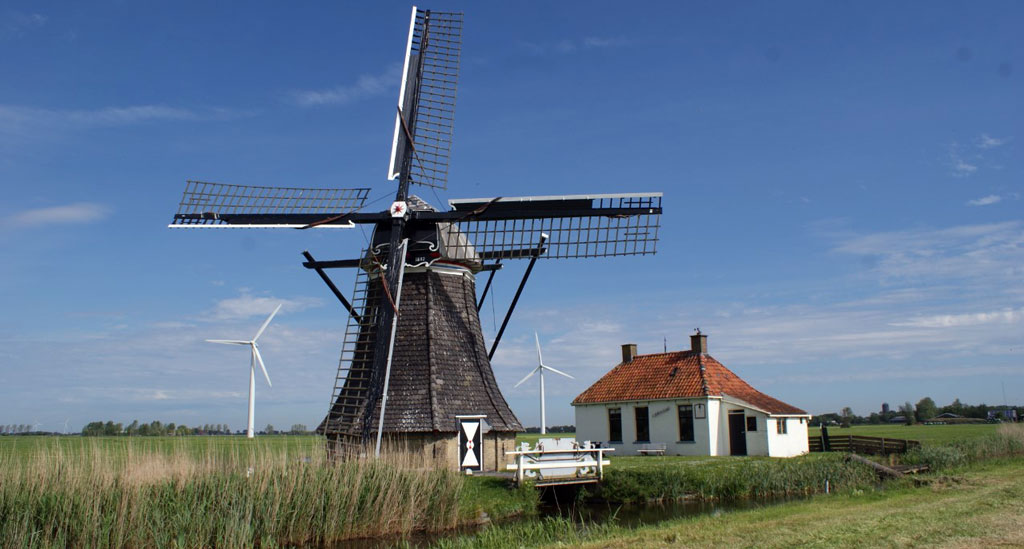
(970, 501)
(225, 492)
(976, 508)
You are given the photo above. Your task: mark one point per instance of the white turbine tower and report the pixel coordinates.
(540, 368)
(253, 359)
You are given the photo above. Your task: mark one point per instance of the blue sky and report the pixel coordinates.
(843, 194)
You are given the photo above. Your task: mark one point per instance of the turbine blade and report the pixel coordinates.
(557, 372)
(228, 341)
(267, 322)
(527, 376)
(259, 358)
(540, 360)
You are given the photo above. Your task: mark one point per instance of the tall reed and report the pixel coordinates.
(130, 495)
(1008, 441)
(741, 479)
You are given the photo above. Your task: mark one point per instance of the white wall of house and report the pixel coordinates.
(793, 442)
(711, 433)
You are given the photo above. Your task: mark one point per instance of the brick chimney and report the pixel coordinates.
(628, 352)
(699, 343)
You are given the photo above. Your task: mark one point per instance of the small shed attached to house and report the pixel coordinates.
(689, 404)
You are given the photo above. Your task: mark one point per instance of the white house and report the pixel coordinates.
(690, 403)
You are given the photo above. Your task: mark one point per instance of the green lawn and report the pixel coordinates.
(925, 433)
(533, 437)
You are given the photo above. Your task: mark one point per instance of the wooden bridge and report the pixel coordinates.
(860, 444)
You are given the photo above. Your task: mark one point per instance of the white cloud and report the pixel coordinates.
(1005, 316)
(367, 85)
(81, 212)
(247, 305)
(988, 142)
(985, 200)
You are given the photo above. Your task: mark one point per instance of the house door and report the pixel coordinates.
(737, 434)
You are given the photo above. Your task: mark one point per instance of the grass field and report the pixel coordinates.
(926, 434)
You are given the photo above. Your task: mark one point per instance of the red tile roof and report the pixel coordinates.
(684, 374)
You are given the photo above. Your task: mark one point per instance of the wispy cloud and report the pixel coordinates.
(81, 212)
(988, 142)
(21, 121)
(990, 252)
(367, 85)
(570, 45)
(247, 305)
(1004, 316)
(985, 200)
(15, 24)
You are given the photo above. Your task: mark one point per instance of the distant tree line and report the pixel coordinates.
(554, 429)
(12, 429)
(925, 410)
(158, 429)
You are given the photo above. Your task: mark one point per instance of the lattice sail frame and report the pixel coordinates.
(427, 97)
(218, 205)
(577, 226)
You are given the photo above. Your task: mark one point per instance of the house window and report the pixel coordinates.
(615, 425)
(643, 431)
(780, 425)
(751, 423)
(686, 423)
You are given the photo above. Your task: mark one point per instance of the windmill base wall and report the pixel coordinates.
(442, 449)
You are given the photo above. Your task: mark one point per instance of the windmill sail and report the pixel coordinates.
(426, 101)
(599, 225)
(217, 205)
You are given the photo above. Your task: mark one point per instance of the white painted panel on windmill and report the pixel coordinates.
(471, 442)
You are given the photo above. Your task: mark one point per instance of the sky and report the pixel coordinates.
(842, 194)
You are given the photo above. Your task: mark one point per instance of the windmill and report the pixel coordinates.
(254, 357)
(413, 357)
(539, 370)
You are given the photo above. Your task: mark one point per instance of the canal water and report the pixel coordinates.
(584, 513)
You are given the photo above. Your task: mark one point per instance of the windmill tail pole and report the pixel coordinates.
(512, 307)
(391, 349)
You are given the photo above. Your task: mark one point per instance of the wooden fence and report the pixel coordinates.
(860, 445)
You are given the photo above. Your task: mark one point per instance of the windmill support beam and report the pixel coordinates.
(330, 284)
(519, 292)
(487, 287)
(333, 264)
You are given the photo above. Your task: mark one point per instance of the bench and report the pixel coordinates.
(653, 449)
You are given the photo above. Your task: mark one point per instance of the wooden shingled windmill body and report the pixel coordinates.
(414, 359)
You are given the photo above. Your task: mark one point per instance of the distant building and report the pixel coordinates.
(898, 419)
(691, 404)
(885, 407)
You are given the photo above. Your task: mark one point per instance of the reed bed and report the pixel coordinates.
(733, 479)
(131, 495)
(1007, 441)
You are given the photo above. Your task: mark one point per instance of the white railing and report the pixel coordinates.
(559, 461)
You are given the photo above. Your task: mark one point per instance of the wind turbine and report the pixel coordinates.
(253, 359)
(540, 368)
